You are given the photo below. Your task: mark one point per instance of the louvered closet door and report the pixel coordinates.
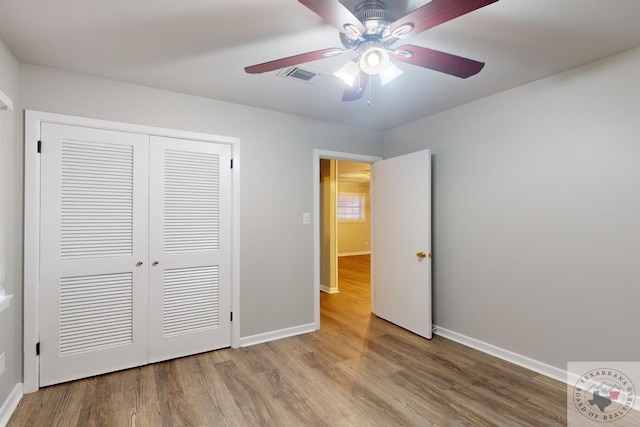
(189, 247)
(94, 211)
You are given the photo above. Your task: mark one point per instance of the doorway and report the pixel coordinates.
(345, 223)
(321, 244)
(400, 238)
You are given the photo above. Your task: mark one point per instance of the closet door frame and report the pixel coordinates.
(32, 210)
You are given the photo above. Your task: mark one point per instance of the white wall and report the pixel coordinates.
(10, 223)
(276, 174)
(537, 214)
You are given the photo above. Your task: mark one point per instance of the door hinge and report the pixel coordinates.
(39, 146)
(232, 316)
(231, 163)
(38, 349)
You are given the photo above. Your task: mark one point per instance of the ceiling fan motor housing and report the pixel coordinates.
(376, 18)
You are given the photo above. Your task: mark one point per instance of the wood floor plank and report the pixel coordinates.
(357, 370)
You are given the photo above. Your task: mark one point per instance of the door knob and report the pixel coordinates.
(138, 264)
(421, 254)
(154, 263)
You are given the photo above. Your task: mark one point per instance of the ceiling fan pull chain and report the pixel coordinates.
(369, 103)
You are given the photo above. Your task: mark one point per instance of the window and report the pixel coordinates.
(351, 206)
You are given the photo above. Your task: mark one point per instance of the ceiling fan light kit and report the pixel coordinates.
(374, 59)
(372, 30)
(390, 72)
(348, 73)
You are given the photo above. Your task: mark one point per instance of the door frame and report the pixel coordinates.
(331, 155)
(31, 251)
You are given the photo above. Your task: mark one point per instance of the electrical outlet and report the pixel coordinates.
(306, 218)
(1, 363)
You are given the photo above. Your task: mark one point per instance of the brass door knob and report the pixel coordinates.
(421, 254)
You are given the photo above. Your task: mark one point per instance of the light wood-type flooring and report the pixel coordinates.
(358, 370)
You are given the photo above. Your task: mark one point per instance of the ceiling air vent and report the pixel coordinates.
(300, 74)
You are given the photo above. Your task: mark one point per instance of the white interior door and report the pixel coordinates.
(401, 235)
(190, 247)
(93, 284)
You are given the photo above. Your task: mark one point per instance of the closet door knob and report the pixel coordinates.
(138, 264)
(154, 263)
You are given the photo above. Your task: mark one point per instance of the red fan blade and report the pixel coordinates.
(290, 60)
(439, 61)
(352, 93)
(334, 13)
(438, 12)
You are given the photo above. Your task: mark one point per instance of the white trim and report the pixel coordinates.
(354, 253)
(5, 101)
(501, 353)
(276, 335)
(5, 301)
(235, 243)
(542, 368)
(317, 155)
(33, 120)
(329, 290)
(31, 249)
(10, 404)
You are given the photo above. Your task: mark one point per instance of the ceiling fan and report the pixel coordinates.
(372, 30)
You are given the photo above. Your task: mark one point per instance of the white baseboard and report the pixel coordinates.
(10, 404)
(355, 253)
(501, 353)
(329, 290)
(276, 335)
(526, 362)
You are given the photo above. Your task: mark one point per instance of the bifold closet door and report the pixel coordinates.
(189, 247)
(94, 246)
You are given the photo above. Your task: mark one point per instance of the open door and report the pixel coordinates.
(401, 237)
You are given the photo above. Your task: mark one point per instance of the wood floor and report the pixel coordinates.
(358, 370)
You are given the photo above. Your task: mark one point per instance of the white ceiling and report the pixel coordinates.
(201, 47)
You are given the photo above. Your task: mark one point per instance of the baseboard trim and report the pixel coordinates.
(276, 335)
(355, 253)
(329, 290)
(501, 353)
(11, 404)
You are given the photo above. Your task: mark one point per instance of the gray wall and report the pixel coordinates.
(537, 214)
(276, 176)
(11, 318)
(536, 204)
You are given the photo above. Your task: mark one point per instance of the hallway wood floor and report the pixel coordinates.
(358, 370)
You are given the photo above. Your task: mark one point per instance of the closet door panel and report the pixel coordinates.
(189, 247)
(94, 234)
